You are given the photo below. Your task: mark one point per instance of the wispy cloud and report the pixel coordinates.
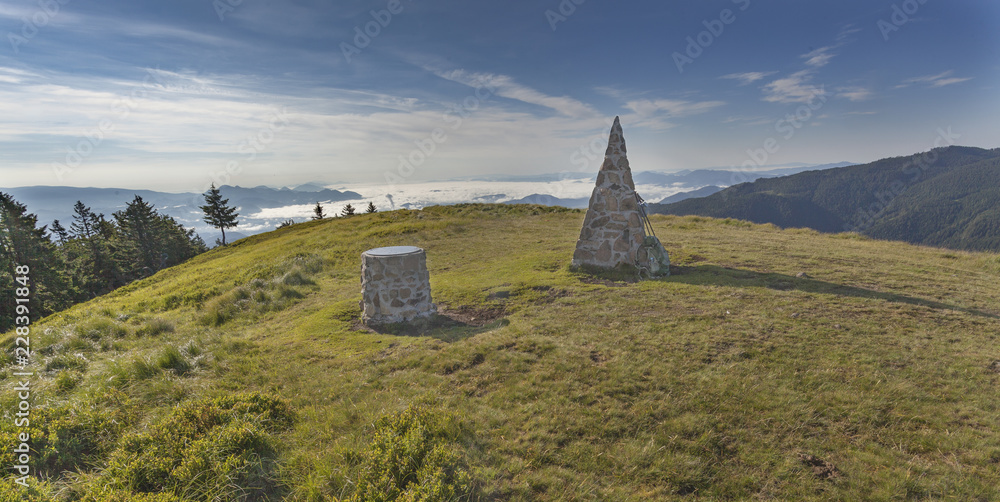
(505, 86)
(657, 114)
(795, 88)
(854, 93)
(819, 58)
(940, 80)
(672, 107)
(751, 121)
(846, 32)
(748, 77)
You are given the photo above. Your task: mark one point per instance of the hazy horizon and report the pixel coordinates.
(126, 94)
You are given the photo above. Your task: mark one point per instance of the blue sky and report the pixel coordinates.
(175, 95)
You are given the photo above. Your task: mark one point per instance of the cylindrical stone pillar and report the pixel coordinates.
(395, 285)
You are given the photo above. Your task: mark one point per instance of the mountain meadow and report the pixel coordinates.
(772, 364)
(944, 197)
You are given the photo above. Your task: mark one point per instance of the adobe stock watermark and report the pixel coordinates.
(589, 152)
(454, 116)
(563, 11)
(363, 36)
(786, 127)
(900, 16)
(23, 289)
(120, 109)
(914, 171)
(31, 25)
(592, 150)
(713, 30)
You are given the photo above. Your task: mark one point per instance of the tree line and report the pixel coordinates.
(91, 257)
(95, 255)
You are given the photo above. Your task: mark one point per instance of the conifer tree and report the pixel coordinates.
(371, 208)
(318, 213)
(140, 228)
(60, 232)
(218, 213)
(347, 211)
(149, 241)
(90, 254)
(24, 244)
(84, 223)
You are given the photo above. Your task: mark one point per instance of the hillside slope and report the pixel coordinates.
(871, 375)
(941, 198)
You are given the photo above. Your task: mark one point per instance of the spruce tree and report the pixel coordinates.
(347, 211)
(318, 213)
(140, 234)
(371, 208)
(60, 232)
(149, 241)
(90, 253)
(218, 213)
(23, 243)
(84, 223)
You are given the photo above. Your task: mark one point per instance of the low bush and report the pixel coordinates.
(71, 437)
(414, 455)
(204, 449)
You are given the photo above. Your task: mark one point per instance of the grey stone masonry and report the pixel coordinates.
(613, 232)
(395, 285)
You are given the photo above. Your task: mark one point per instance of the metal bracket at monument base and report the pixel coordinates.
(652, 258)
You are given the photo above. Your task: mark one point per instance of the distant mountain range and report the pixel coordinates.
(720, 177)
(701, 192)
(947, 197)
(56, 203)
(262, 208)
(551, 200)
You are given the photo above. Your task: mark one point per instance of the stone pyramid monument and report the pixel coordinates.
(614, 231)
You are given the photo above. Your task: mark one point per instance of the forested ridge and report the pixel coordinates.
(944, 197)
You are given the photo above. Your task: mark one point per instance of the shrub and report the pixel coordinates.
(34, 492)
(70, 438)
(204, 450)
(66, 381)
(413, 456)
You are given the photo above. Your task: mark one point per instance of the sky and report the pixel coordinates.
(173, 96)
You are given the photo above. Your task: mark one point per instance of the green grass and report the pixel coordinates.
(764, 345)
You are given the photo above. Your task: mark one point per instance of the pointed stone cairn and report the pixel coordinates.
(613, 232)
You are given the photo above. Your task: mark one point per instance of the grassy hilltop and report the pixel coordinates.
(773, 364)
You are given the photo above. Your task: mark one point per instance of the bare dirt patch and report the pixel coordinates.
(820, 468)
(597, 357)
(446, 319)
(606, 282)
